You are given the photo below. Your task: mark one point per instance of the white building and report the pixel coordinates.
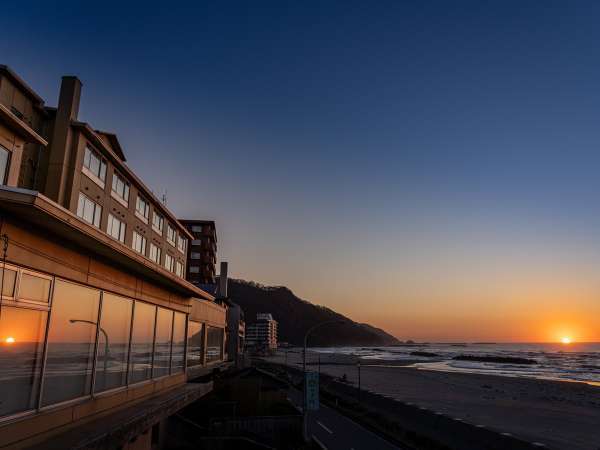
(262, 334)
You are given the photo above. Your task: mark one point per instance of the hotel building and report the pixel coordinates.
(99, 329)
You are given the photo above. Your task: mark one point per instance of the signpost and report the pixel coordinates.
(312, 391)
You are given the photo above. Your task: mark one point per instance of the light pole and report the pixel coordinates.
(358, 366)
(105, 341)
(304, 410)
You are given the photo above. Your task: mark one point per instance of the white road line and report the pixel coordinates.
(324, 427)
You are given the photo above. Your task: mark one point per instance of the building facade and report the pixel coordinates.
(202, 251)
(261, 336)
(96, 317)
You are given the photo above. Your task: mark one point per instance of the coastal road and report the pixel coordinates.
(334, 431)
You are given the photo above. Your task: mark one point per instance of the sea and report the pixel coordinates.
(550, 361)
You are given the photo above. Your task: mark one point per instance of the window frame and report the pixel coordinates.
(172, 265)
(126, 188)
(171, 231)
(96, 207)
(87, 171)
(158, 253)
(181, 247)
(158, 230)
(144, 241)
(122, 228)
(144, 217)
(4, 179)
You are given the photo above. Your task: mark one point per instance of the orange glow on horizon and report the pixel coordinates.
(10, 340)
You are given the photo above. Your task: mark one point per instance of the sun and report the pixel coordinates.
(10, 340)
(566, 340)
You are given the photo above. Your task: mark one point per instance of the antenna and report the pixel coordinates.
(164, 198)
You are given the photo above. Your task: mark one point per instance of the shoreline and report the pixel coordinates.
(558, 414)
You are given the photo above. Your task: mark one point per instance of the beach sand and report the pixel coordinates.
(561, 415)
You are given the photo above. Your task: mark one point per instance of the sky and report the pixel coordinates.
(431, 168)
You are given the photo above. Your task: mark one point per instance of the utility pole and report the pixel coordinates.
(358, 366)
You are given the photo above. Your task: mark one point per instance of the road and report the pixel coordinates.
(335, 431)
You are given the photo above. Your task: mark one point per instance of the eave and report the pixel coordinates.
(33, 207)
(20, 127)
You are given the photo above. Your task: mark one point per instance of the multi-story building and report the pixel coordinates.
(202, 251)
(262, 334)
(97, 319)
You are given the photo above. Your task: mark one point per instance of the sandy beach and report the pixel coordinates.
(561, 415)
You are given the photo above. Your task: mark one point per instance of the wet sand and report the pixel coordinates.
(561, 415)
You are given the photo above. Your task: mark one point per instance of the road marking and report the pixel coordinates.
(319, 443)
(324, 427)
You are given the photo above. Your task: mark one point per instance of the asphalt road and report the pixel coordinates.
(335, 431)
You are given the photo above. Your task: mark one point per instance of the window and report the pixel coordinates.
(34, 288)
(155, 253)
(178, 352)
(21, 346)
(71, 342)
(138, 243)
(194, 343)
(179, 269)
(194, 269)
(197, 242)
(194, 255)
(142, 209)
(113, 342)
(120, 188)
(8, 280)
(4, 164)
(181, 244)
(116, 228)
(214, 344)
(88, 210)
(197, 228)
(142, 342)
(94, 166)
(169, 262)
(171, 235)
(162, 345)
(158, 222)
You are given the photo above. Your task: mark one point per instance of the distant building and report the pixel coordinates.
(202, 251)
(262, 334)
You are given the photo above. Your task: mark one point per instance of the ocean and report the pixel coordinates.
(563, 362)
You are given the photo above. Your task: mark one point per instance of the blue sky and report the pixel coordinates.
(391, 161)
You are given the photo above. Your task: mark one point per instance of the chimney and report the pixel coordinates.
(58, 186)
(223, 280)
(68, 100)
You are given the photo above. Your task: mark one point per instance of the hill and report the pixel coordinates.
(295, 316)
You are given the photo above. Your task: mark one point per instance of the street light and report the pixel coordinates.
(105, 341)
(304, 410)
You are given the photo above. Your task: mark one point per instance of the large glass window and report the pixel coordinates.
(4, 164)
(113, 342)
(8, 280)
(142, 342)
(88, 210)
(116, 228)
(120, 188)
(21, 347)
(71, 339)
(162, 346)
(94, 165)
(177, 360)
(195, 342)
(34, 288)
(214, 344)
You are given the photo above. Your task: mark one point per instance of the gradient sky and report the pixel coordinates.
(432, 168)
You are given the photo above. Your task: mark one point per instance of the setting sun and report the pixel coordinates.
(10, 340)
(566, 340)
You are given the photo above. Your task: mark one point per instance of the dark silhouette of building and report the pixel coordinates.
(202, 251)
